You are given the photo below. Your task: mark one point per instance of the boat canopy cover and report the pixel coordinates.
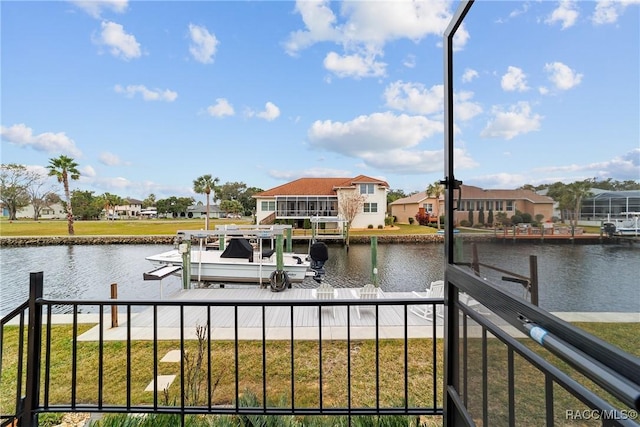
(238, 248)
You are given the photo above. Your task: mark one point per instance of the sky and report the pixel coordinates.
(146, 96)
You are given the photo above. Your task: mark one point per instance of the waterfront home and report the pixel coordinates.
(476, 199)
(53, 211)
(306, 198)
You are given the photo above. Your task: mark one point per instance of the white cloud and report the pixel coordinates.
(563, 77)
(290, 175)
(356, 65)
(87, 172)
(469, 75)
(417, 99)
(514, 80)
(48, 142)
(464, 108)
(363, 29)
(565, 13)
(120, 44)
(509, 124)
(608, 11)
(500, 181)
(221, 108)
(624, 167)
(96, 7)
(270, 113)
(382, 140)
(410, 61)
(203, 44)
(414, 97)
(110, 159)
(147, 94)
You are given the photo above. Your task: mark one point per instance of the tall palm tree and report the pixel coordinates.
(65, 168)
(436, 190)
(577, 191)
(111, 201)
(205, 184)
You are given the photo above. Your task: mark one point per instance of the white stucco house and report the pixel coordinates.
(306, 198)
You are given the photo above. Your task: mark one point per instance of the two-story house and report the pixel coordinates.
(306, 198)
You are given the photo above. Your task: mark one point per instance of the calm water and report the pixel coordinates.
(572, 277)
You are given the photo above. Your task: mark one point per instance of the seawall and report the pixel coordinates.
(85, 240)
(169, 239)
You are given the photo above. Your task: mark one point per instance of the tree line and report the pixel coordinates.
(21, 187)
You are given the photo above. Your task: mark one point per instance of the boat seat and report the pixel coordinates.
(266, 253)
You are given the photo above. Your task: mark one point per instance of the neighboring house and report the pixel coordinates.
(131, 209)
(200, 211)
(408, 207)
(305, 198)
(475, 199)
(602, 204)
(55, 211)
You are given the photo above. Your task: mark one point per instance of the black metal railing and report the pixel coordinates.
(202, 327)
(564, 374)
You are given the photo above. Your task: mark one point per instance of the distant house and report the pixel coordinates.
(475, 199)
(54, 211)
(200, 211)
(306, 198)
(131, 209)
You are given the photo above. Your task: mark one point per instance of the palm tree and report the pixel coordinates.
(65, 168)
(577, 191)
(111, 201)
(436, 190)
(205, 184)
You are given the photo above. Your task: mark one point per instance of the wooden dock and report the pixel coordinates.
(306, 322)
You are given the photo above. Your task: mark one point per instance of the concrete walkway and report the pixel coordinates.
(306, 322)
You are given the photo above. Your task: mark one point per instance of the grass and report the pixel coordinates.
(155, 227)
(25, 227)
(529, 382)
(105, 228)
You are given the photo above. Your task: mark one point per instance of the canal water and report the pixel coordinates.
(572, 277)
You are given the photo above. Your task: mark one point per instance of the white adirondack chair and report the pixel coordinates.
(367, 292)
(435, 290)
(325, 292)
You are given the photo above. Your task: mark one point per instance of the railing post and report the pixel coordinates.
(34, 345)
(114, 308)
(533, 275)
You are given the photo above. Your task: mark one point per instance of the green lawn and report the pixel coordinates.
(25, 227)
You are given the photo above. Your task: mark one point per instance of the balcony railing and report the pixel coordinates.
(326, 365)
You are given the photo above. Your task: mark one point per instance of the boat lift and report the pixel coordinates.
(275, 232)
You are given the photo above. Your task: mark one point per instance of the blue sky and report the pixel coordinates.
(147, 96)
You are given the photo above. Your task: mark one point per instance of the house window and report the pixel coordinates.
(499, 205)
(479, 205)
(268, 206)
(366, 188)
(428, 207)
(509, 205)
(489, 205)
(371, 207)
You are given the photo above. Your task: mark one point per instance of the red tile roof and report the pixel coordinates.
(469, 192)
(318, 186)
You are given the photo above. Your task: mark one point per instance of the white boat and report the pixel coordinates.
(239, 261)
(628, 225)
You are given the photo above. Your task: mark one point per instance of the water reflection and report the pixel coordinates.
(572, 277)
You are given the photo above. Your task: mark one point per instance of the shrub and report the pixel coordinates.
(370, 226)
(380, 227)
(411, 221)
(422, 218)
(465, 223)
